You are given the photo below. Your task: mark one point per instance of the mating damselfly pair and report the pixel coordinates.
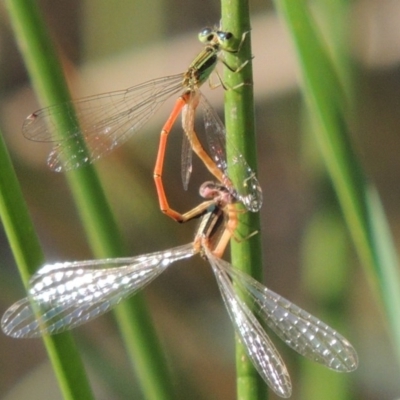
(64, 295)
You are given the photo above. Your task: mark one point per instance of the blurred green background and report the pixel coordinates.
(308, 255)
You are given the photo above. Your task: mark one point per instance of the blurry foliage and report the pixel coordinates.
(301, 221)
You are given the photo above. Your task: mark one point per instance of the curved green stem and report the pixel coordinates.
(328, 103)
(47, 76)
(25, 246)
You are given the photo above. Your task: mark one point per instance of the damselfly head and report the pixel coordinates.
(214, 36)
(206, 35)
(216, 191)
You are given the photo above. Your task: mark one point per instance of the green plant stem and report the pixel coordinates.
(239, 121)
(47, 76)
(25, 245)
(328, 106)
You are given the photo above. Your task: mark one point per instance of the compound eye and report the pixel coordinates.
(206, 35)
(225, 39)
(224, 36)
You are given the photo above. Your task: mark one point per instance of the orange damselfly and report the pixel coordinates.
(64, 295)
(105, 121)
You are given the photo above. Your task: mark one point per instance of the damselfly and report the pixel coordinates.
(62, 296)
(247, 191)
(95, 125)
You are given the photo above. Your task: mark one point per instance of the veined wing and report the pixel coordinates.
(105, 121)
(186, 161)
(258, 345)
(234, 166)
(65, 295)
(297, 328)
(191, 141)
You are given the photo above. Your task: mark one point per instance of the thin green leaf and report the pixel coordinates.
(46, 74)
(61, 349)
(328, 106)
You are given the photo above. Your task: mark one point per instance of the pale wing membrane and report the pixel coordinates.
(65, 295)
(187, 153)
(297, 328)
(259, 347)
(236, 169)
(105, 121)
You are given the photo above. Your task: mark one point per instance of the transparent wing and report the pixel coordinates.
(248, 189)
(259, 347)
(105, 121)
(186, 161)
(297, 328)
(65, 295)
